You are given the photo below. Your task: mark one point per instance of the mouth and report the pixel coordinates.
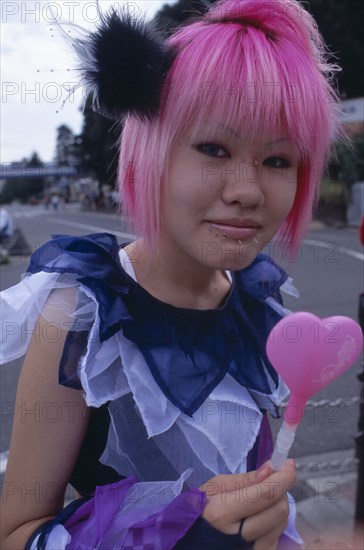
(236, 228)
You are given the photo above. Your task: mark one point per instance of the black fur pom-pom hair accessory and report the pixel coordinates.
(123, 65)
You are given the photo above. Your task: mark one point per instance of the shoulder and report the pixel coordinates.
(92, 262)
(66, 252)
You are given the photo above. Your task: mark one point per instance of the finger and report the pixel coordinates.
(265, 522)
(235, 482)
(270, 540)
(253, 499)
(286, 477)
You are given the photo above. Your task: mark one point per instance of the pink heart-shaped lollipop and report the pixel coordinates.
(309, 353)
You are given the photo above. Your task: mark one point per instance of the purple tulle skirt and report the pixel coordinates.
(110, 520)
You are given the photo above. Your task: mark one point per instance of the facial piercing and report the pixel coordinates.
(256, 163)
(224, 237)
(239, 241)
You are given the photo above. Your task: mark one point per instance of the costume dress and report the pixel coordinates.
(178, 395)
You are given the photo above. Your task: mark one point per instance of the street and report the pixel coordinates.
(327, 269)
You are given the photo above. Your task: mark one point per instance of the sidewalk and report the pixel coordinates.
(326, 501)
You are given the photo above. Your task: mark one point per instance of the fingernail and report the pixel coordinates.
(262, 472)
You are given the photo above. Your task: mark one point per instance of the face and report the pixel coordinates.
(226, 197)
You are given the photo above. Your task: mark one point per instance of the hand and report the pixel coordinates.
(259, 497)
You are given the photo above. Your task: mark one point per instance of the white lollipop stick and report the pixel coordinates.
(284, 442)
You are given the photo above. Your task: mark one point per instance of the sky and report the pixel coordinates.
(37, 71)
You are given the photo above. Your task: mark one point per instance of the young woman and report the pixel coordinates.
(153, 353)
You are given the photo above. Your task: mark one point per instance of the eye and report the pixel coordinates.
(277, 162)
(212, 150)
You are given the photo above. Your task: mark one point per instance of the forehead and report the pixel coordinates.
(236, 117)
(212, 128)
(253, 84)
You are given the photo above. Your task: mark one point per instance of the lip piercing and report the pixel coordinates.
(256, 163)
(224, 237)
(239, 241)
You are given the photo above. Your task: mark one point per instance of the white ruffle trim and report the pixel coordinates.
(58, 539)
(54, 296)
(219, 435)
(224, 428)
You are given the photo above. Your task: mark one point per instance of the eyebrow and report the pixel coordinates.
(230, 132)
(277, 141)
(227, 130)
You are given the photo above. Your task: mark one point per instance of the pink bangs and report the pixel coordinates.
(258, 66)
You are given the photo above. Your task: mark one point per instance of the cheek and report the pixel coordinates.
(178, 196)
(187, 187)
(281, 197)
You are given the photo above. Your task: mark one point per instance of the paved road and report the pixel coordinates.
(327, 268)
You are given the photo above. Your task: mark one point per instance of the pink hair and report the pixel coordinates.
(256, 65)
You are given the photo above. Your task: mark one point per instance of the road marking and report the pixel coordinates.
(322, 244)
(342, 249)
(34, 213)
(92, 228)
(3, 461)
(27, 214)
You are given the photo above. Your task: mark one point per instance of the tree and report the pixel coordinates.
(348, 163)
(171, 16)
(22, 188)
(66, 147)
(35, 186)
(339, 21)
(98, 146)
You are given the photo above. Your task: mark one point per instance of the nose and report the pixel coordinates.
(243, 184)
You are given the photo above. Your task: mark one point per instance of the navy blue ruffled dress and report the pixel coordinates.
(178, 395)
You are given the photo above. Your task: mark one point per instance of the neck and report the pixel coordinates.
(186, 284)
